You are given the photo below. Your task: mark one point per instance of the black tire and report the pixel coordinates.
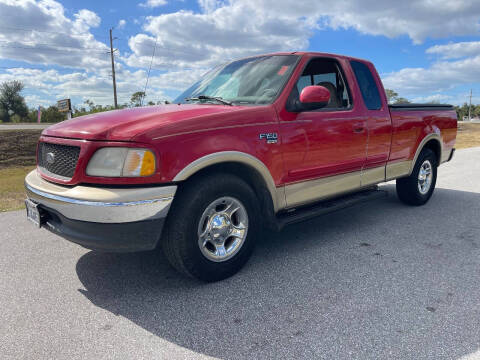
(408, 189)
(180, 236)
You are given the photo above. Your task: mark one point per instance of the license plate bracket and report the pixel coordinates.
(33, 212)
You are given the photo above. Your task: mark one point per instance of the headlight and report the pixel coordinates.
(121, 162)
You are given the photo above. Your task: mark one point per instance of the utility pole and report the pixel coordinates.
(113, 71)
(470, 107)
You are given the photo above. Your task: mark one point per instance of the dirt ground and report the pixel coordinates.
(468, 135)
(18, 147)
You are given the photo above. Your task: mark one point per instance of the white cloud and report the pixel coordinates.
(419, 19)
(121, 24)
(153, 3)
(39, 32)
(456, 50)
(51, 85)
(87, 19)
(432, 82)
(188, 39)
(36, 100)
(210, 5)
(234, 28)
(435, 98)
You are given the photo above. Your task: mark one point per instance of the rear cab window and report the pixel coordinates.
(368, 86)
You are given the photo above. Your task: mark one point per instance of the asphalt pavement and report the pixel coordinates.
(380, 280)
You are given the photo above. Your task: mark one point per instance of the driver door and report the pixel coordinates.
(325, 149)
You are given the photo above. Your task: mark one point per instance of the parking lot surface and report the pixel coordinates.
(379, 280)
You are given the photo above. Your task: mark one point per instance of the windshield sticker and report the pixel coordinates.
(282, 70)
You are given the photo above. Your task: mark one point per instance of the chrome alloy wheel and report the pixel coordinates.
(425, 176)
(222, 229)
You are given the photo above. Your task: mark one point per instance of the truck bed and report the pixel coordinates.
(420, 107)
(412, 122)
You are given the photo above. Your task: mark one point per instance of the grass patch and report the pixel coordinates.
(468, 135)
(12, 192)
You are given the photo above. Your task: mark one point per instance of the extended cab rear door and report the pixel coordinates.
(378, 120)
(324, 150)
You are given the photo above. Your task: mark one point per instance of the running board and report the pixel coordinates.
(305, 213)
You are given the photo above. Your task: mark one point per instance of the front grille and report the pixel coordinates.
(58, 160)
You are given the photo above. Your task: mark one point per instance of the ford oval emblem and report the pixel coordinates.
(50, 158)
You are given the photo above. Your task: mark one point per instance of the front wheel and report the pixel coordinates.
(212, 226)
(417, 188)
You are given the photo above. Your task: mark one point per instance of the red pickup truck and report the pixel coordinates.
(255, 144)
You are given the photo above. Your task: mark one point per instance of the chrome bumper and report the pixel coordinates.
(101, 205)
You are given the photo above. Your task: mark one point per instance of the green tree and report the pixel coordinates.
(92, 108)
(393, 98)
(137, 98)
(52, 115)
(462, 111)
(11, 101)
(391, 95)
(401, 100)
(90, 104)
(476, 111)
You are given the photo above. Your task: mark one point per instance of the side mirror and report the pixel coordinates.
(314, 97)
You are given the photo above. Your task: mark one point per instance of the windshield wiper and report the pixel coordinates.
(206, 97)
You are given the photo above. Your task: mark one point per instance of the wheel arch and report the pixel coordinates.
(432, 142)
(245, 166)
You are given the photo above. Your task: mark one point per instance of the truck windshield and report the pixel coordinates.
(256, 80)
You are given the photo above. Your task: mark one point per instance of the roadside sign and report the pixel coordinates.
(64, 105)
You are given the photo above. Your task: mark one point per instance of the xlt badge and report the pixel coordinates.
(270, 137)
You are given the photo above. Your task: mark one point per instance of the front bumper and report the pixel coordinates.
(110, 219)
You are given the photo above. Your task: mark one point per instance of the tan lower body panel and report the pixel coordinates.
(398, 169)
(445, 155)
(314, 190)
(373, 176)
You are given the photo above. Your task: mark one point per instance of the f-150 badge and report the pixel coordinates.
(271, 138)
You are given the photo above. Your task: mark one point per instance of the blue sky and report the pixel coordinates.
(424, 49)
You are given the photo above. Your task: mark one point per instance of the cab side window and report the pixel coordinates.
(326, 73)
(367, 85)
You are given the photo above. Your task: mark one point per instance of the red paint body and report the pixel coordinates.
(311, 144)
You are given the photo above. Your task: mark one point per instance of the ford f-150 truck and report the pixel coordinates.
(254, 144)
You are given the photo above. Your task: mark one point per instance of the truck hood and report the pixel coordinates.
(127, 124)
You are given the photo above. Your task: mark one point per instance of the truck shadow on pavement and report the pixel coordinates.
(378, 280)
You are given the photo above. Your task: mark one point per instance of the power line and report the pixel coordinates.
(48, 32)
(96, 37)
(10, 43)
(51, 49)
(148, 75)
(164, 48)
(17, 67)
(62, 48)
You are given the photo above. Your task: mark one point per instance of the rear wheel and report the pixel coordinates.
(417, 188)
(212, 226)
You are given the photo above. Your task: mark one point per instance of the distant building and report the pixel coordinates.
(476, 119)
